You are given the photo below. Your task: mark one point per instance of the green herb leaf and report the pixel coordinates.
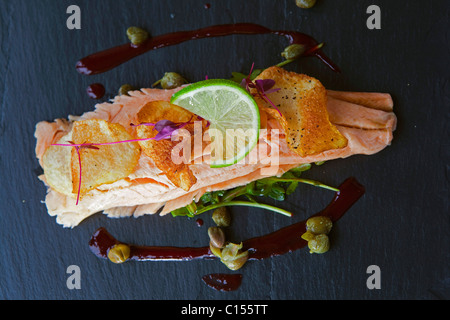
(273, 187)
(238, 76)
(181, 212)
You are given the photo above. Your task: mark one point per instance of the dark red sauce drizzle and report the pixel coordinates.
(111, 58)
(223, 282)
(96, 91)
(199, 222)
(276, 243)
(288, 239)
(279, 242)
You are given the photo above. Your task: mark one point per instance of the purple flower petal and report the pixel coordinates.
(264, 85)
(163, 135)
(244, 83)
(273, 90)
(166, 128)
(160, 125)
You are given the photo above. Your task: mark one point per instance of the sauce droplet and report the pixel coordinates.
(96, 91)
(223, 282)
(199, 222)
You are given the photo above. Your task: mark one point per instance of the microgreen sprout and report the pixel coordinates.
(276, 188)
(165, 128)
(263, 87)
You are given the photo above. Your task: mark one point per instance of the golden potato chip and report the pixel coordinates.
(161, 151)
(102, 164)
(302, 100)
(57, 166)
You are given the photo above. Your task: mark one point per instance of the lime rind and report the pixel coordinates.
(227, 106)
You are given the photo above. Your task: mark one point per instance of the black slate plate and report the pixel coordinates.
(400, 225)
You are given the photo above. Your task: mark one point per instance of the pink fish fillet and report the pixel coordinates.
(365, 119)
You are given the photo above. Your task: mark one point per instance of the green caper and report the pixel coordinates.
(232, 257)
(237, 262)
(171, 80)
(221, 216)
(119, 253)
(124, 89)
(231, 250)
(137, 35)
(319, 225)
(308, 235)
(294, 51)
(320, 244)
(305, 4)
(215, 251)
(216, 236)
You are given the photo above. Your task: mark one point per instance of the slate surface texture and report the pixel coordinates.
(401, 224)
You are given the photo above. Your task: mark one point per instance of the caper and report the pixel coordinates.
(215, 251)
(232, 257)
(231, 250)
(119, 253)
(221, 216)
(319, 224)
(237, 262)
(294, 51)
(137, 35)
(308, 235)
(320, 244)
(216, 236)
(171, 80)
(305, 4)
(124, 89)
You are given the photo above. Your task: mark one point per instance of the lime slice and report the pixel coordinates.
(233, 115)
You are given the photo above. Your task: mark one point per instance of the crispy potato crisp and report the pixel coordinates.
(302, 100)
(161, 151)
(57, 166)
(106, 164)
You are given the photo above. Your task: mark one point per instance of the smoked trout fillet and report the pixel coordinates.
(366, 120)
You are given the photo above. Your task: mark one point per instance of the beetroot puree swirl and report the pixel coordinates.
(108, 59)
(285, 240)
